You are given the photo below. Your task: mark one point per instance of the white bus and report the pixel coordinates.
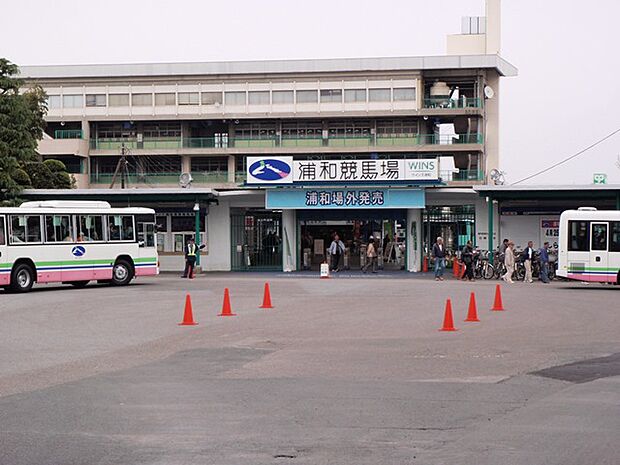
(589, 248)
(75, 242)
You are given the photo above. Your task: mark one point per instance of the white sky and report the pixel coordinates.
(566, 95)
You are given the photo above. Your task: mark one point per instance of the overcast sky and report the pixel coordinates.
(565, 98)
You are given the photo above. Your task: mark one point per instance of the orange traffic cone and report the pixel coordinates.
(226, 309)
(188, 315)
(498, 306)
(455, 265)
(448, 323)
(266, 298)
(472, 311)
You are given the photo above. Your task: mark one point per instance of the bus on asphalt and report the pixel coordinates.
(75, 243)
(589, 245)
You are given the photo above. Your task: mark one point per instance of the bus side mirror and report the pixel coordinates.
(140, 243)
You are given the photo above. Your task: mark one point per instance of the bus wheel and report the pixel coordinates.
(122, 273)
(79, 284)
(22, 278)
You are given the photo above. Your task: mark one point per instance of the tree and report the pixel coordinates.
(22, 120)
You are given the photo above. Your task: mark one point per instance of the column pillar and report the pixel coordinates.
(289, 240)
(414, 239)
(197, 226)
(232, 167)
(490, 228)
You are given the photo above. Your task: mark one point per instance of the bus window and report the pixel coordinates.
(58, 228)
(578, 236)
(599, 236)
(25, 229)
(146, 234)
(614, 236)
(2, 235)
(120, 228)
(90, 228)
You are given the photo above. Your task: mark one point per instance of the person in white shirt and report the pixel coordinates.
(336, 249)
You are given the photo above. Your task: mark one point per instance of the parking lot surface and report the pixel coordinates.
(351, 370)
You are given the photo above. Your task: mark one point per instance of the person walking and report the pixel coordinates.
(509, 262)
(528, 256)
(371, 257)
(468, 259)
(191, 250)
(502, 247)
(336, 249)
(439, 254)
(544, 263)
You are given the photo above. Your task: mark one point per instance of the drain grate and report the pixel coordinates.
(284, 456)
(585, 370)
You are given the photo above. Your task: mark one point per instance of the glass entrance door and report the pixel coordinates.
(256, 240)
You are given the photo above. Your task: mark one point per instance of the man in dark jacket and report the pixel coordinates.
(191, 251)
(544, 263)
(528, 257)
(439, 254)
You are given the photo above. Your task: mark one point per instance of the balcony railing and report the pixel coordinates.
(468, 175)
(463, 102)
(381, 140)
(68, 134)
(136, 178)
(210, 177)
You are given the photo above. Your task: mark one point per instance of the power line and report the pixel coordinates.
(568, 158)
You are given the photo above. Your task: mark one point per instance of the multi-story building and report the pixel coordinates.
(292, 151)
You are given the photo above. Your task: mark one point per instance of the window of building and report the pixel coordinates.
(120, 228)
(355, 95)
(116, 131)
(396, 127)
(53, 102)
(90, 228)
(256, 130)
(404, 94)
(302, 129)
(165, 99)
(331, 95)
(234, 98)
(307, 96)
(72, 101)
(614, 236)
(379, 95)
(349, 128)
(209, 164)
(161, 129)
(211, 98)
(142, 100)
(282, 97)
(258, 97)
(25, 229)
(599, 236)
(188, 98)
(95, 100)
(58, 228)
(118, 100)
(578, 236)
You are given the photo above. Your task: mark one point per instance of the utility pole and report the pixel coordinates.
(121, 167)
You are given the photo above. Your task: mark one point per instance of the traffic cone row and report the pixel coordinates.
(188, 315)
(472, 310)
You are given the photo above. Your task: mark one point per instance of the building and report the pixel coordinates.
(282, 154)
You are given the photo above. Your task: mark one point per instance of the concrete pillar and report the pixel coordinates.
(493, 33)
(232, 166)
(186, 164)
(85, 130)
(289, 240)
(414, 239)
(491, 130)
(217, 256)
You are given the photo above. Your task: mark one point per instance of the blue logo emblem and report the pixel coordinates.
(78, 251)
(270, 170)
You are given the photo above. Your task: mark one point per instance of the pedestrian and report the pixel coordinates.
(439, 254)
(468, 259)
(336, 249)
(371, 257)
(190, 258)
(502, 247)
(544, 263)
(527, 257)
(509, 262)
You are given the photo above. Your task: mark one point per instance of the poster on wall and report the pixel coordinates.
(550, 231)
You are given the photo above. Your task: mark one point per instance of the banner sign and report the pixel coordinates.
(282, 199)
(283, 170)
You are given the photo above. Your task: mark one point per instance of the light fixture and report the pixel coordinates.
(196, 207)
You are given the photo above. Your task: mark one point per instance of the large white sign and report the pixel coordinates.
(283, 170)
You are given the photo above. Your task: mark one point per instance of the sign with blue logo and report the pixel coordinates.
(270, 170)
(286, 199)
(78, 251)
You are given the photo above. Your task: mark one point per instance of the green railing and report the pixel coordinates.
(135, 178)
(440, 102)
(468, 175)
(210, 177)
(68, 134)
(381, 140)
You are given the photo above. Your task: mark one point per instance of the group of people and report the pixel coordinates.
(336, 251)
(506, 253)
(506, 250)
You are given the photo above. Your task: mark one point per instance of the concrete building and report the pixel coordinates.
(290, 152)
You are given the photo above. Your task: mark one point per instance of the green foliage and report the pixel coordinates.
(51, 174)
(55, 166)
(21, 177)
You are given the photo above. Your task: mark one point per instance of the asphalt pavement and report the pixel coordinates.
(351, 370)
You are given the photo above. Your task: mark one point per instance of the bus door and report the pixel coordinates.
(598, 251)
(5, 266)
